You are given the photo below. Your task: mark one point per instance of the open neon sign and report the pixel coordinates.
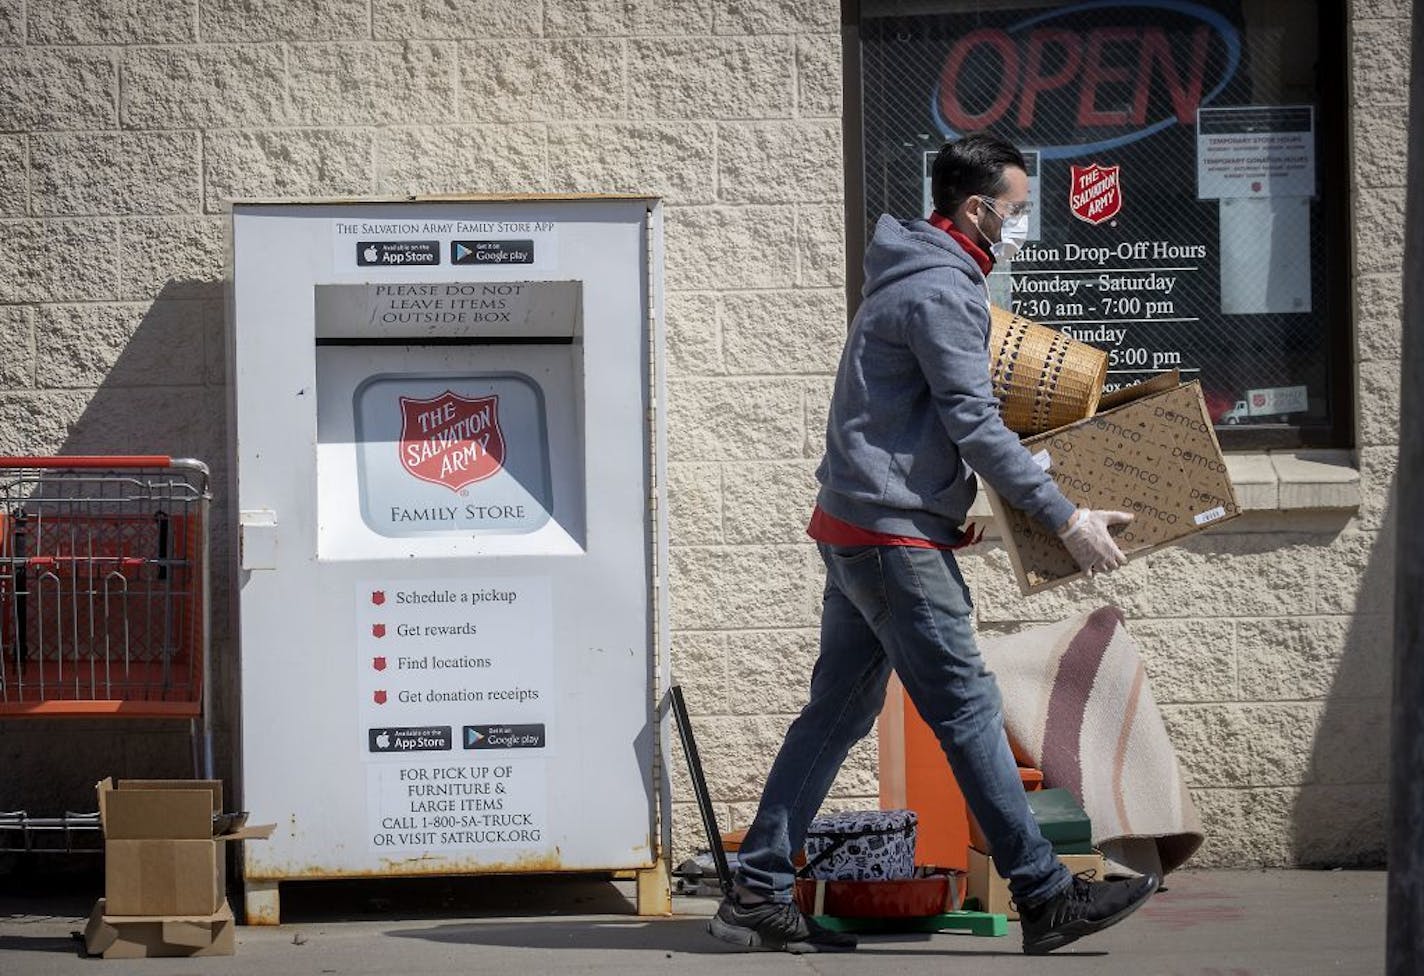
(1046, 55)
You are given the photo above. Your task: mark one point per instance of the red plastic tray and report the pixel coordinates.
(908, 898)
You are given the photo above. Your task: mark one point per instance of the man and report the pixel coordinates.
(912, 419)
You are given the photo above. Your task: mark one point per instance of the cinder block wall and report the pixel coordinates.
(124, 127)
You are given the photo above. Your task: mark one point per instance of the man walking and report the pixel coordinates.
(913, 418)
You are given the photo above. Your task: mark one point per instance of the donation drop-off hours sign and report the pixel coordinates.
(455, 694)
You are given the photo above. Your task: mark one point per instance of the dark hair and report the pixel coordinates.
(972, 165)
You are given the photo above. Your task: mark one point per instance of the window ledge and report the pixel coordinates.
(1275, 481)
(1288, 481)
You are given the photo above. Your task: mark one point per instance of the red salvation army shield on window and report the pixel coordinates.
(451, 440)
(1095, 193)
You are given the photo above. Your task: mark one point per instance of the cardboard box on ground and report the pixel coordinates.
(1150, 450)
(165, 874)
(140, 937)
(987, 892)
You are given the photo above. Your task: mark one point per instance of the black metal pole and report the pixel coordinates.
(1405, 939)
(699, 789)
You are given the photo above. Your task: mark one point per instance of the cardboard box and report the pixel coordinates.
(990, 892)
(164, 877)
(137, 937)
(1154, 455)
(160, 855)
(157, 809)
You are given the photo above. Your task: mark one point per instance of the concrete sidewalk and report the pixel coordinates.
(1217, 923)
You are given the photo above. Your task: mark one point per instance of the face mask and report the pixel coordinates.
(1012, 234)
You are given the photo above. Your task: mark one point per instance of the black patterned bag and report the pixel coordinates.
(861, 845)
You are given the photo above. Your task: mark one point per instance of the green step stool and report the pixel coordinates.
(975, 923)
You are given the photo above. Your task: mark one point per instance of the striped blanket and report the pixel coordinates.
(1077, 706)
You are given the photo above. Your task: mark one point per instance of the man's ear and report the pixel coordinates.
(970, 209)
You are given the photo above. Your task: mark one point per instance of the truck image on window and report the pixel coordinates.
(1270, 403)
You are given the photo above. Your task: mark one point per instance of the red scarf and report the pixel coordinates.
(985, 262)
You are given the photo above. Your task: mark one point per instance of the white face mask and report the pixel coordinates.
(1013, 231)
(1012, 234)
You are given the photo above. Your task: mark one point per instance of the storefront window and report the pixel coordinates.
(1181, 157)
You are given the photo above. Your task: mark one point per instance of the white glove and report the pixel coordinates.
(1090, 544)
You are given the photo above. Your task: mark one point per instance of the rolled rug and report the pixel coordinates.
(1077, 705)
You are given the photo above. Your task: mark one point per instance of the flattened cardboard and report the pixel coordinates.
(1156, 457)
(250, 832)
(164, 877)
(140, 937)
(1160, 383)
(991, 892)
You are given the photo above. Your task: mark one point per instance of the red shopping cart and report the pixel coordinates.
(104, 595)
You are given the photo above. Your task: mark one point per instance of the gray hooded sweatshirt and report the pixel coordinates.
(913, 416)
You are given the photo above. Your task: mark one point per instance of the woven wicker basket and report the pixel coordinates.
(1042, 378)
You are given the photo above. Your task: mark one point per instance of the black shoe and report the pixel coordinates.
(775, 928)
(1084, 907)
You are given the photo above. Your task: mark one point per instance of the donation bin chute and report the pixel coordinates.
(449, 455)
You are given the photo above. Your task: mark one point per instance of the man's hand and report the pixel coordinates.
(1086, 536)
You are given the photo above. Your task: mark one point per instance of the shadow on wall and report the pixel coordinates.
(1341, 813)
(163, 392)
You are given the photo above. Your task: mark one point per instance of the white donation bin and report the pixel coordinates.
(449, 452)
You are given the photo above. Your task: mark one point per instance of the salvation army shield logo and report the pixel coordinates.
(1095, 193)
(451, 440)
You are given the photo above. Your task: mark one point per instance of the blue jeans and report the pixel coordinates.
(906, 608)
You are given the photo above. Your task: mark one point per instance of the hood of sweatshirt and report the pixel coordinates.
(900, 249)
